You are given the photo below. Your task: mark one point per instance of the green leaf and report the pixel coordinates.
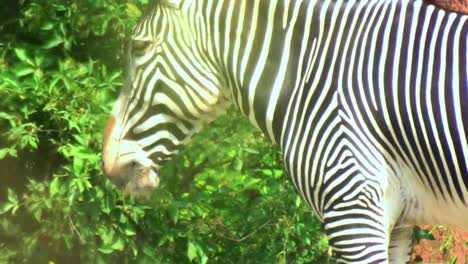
(21, 54)
(194, 251)
(123, 218)
(298, 201)
(10, 79)
(78, 164)
(61, 8)
(250, 150)
(9, 118)
(54, 186)
(47, 26)
(118, 245)
(133, 10)
(38, 214)
(85, 155)
(174, 214)
(39, 60)
(12, 197)
(106, 250)
(105, 206)
(454, 260)
(6, 116)
(5, 207)
(80, 139)
(129, 230)
(419, 234)
(191, 251)
(32, 140)
(81, 183)
(239, 165)
(68, 243)
(13, 153)
(23, 70)
(8, 151)
(51, 43)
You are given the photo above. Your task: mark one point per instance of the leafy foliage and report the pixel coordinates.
(419, 234)
(224, 199)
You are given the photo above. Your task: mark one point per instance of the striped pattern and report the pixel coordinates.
(368, 101)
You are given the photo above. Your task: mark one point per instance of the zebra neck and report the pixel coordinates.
(261, 46)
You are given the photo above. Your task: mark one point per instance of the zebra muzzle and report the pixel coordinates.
(126, 164)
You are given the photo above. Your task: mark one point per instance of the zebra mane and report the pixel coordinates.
(170, 3)
(154, 4)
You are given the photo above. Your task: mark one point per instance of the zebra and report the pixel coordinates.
(367, 100)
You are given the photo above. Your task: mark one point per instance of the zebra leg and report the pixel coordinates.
(356, 239)
(401, 243)
(355, 225)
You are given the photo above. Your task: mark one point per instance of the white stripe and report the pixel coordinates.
(280, 78)
(253, 85)
(443, 109)
(428, 101)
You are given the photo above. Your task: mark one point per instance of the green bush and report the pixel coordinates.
(224, 199)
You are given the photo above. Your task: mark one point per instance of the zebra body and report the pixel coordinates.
(367, 100)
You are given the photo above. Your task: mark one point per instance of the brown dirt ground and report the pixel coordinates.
(460, 6)
(448, 244)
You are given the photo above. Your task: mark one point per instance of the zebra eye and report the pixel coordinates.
(139, 47)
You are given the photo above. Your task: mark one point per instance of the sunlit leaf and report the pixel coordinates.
(191, 251)
(23, 70)
(5, 207)
(38, 214)
(22, 55)
(52, 43)
(13, 197)
(78, 164)
(133, 10)
(54, 186)
(106, 250)
(10, 79)
(8, 151)
(118, 245)
(129, 231)
(47, 26)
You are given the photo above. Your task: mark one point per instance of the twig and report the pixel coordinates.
(245, 237)
(74, 229)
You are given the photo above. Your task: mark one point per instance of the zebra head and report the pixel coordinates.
(171, 91)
